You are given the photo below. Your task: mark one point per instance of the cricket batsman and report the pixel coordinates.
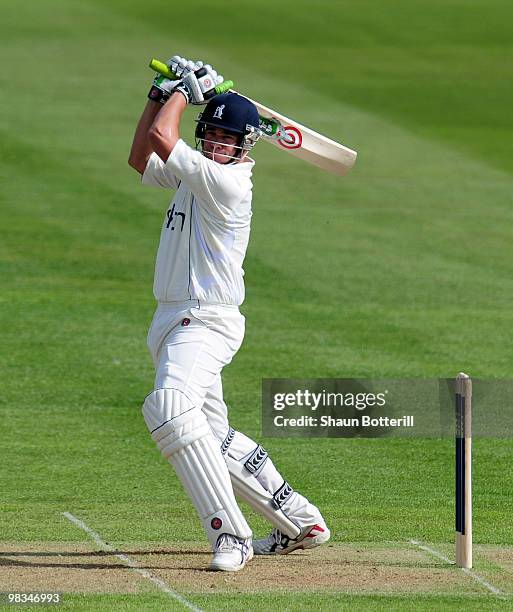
(197, 327)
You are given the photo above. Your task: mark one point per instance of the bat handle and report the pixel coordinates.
(164, 69)
(223, 87)
(273, 129)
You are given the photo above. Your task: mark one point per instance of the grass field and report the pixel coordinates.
(401, 269)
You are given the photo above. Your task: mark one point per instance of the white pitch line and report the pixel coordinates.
(131, 563)
(469, 572)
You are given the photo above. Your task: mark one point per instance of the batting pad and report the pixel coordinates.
(250, 466)
(184, 438)
(252, 492)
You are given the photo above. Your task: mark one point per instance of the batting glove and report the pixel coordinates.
(162, 87)
(199, 86)
(182, 66)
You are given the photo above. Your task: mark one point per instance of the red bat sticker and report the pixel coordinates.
(293, 138)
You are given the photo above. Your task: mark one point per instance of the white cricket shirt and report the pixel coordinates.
(205, 232)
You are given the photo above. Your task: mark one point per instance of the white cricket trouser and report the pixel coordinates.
(190, 343)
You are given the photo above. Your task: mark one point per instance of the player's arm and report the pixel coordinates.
(194, 88)
(141, 146)
(161, 90)
(164, 132)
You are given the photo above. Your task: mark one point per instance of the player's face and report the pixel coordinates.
(219, 145)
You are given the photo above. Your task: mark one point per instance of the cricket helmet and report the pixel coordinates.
(232, 113)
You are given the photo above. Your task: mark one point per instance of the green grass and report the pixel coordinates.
(288, 602)
(401, 269)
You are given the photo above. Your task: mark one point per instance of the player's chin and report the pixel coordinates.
(220, 158)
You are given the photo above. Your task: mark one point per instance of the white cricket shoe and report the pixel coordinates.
(231, 553)
(277, 543)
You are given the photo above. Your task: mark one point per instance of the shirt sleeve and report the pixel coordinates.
(215, 186)
(157, 175)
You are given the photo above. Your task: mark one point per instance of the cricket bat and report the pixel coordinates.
(291, 136)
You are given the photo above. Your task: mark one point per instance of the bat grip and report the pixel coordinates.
(224, 86)
(164, 69)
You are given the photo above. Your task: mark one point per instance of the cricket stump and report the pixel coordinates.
(463, 471)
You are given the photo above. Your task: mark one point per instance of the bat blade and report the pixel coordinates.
(308, 145)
